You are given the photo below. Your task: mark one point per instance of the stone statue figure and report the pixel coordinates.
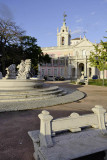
(21, 69)
(27, 67)
(24, 69)
(0, 75)
(11, 72)
(82, 75)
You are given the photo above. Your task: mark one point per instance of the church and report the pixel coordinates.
(70, 57)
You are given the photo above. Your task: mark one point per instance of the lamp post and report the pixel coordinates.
(86, 65)
(85, 62)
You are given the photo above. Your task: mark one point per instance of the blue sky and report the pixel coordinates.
(40, 18)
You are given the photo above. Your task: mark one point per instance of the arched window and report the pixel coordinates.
(63, 39)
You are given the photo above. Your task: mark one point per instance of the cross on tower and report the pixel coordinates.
(64, 17)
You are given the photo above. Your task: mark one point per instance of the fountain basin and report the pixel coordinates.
(20, 84)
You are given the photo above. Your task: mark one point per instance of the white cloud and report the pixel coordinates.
(92, 13)
(78, 20)
(77, 31)
(5, 11)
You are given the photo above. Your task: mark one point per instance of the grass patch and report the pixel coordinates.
(97, 82)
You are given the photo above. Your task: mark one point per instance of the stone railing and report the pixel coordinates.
(74, 122)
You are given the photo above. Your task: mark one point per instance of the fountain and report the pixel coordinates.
(20, 92)
(22, 81)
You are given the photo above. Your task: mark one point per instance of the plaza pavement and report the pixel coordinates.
(16, 144)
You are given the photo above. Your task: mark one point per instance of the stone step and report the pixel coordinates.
(34, 94)
(34, 91)
(62, 94)
(24, 95)
(10, 99)
(48, 89)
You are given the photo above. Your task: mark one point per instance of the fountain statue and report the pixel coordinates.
(11, 72)
(0, 75)
(24, 69)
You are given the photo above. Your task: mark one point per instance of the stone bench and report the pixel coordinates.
(70, 137)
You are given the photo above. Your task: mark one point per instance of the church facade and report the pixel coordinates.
(70, 57)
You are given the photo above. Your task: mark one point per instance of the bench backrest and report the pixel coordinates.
(74, 122)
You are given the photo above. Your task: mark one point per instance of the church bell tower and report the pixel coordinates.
(63, 36)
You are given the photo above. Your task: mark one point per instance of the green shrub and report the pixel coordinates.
(98, 82)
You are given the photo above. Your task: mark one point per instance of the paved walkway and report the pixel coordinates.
(95, 95)
(15, 144)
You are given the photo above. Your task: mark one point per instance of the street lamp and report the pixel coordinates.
(85, 55)
(85, 59)
(86, 65)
